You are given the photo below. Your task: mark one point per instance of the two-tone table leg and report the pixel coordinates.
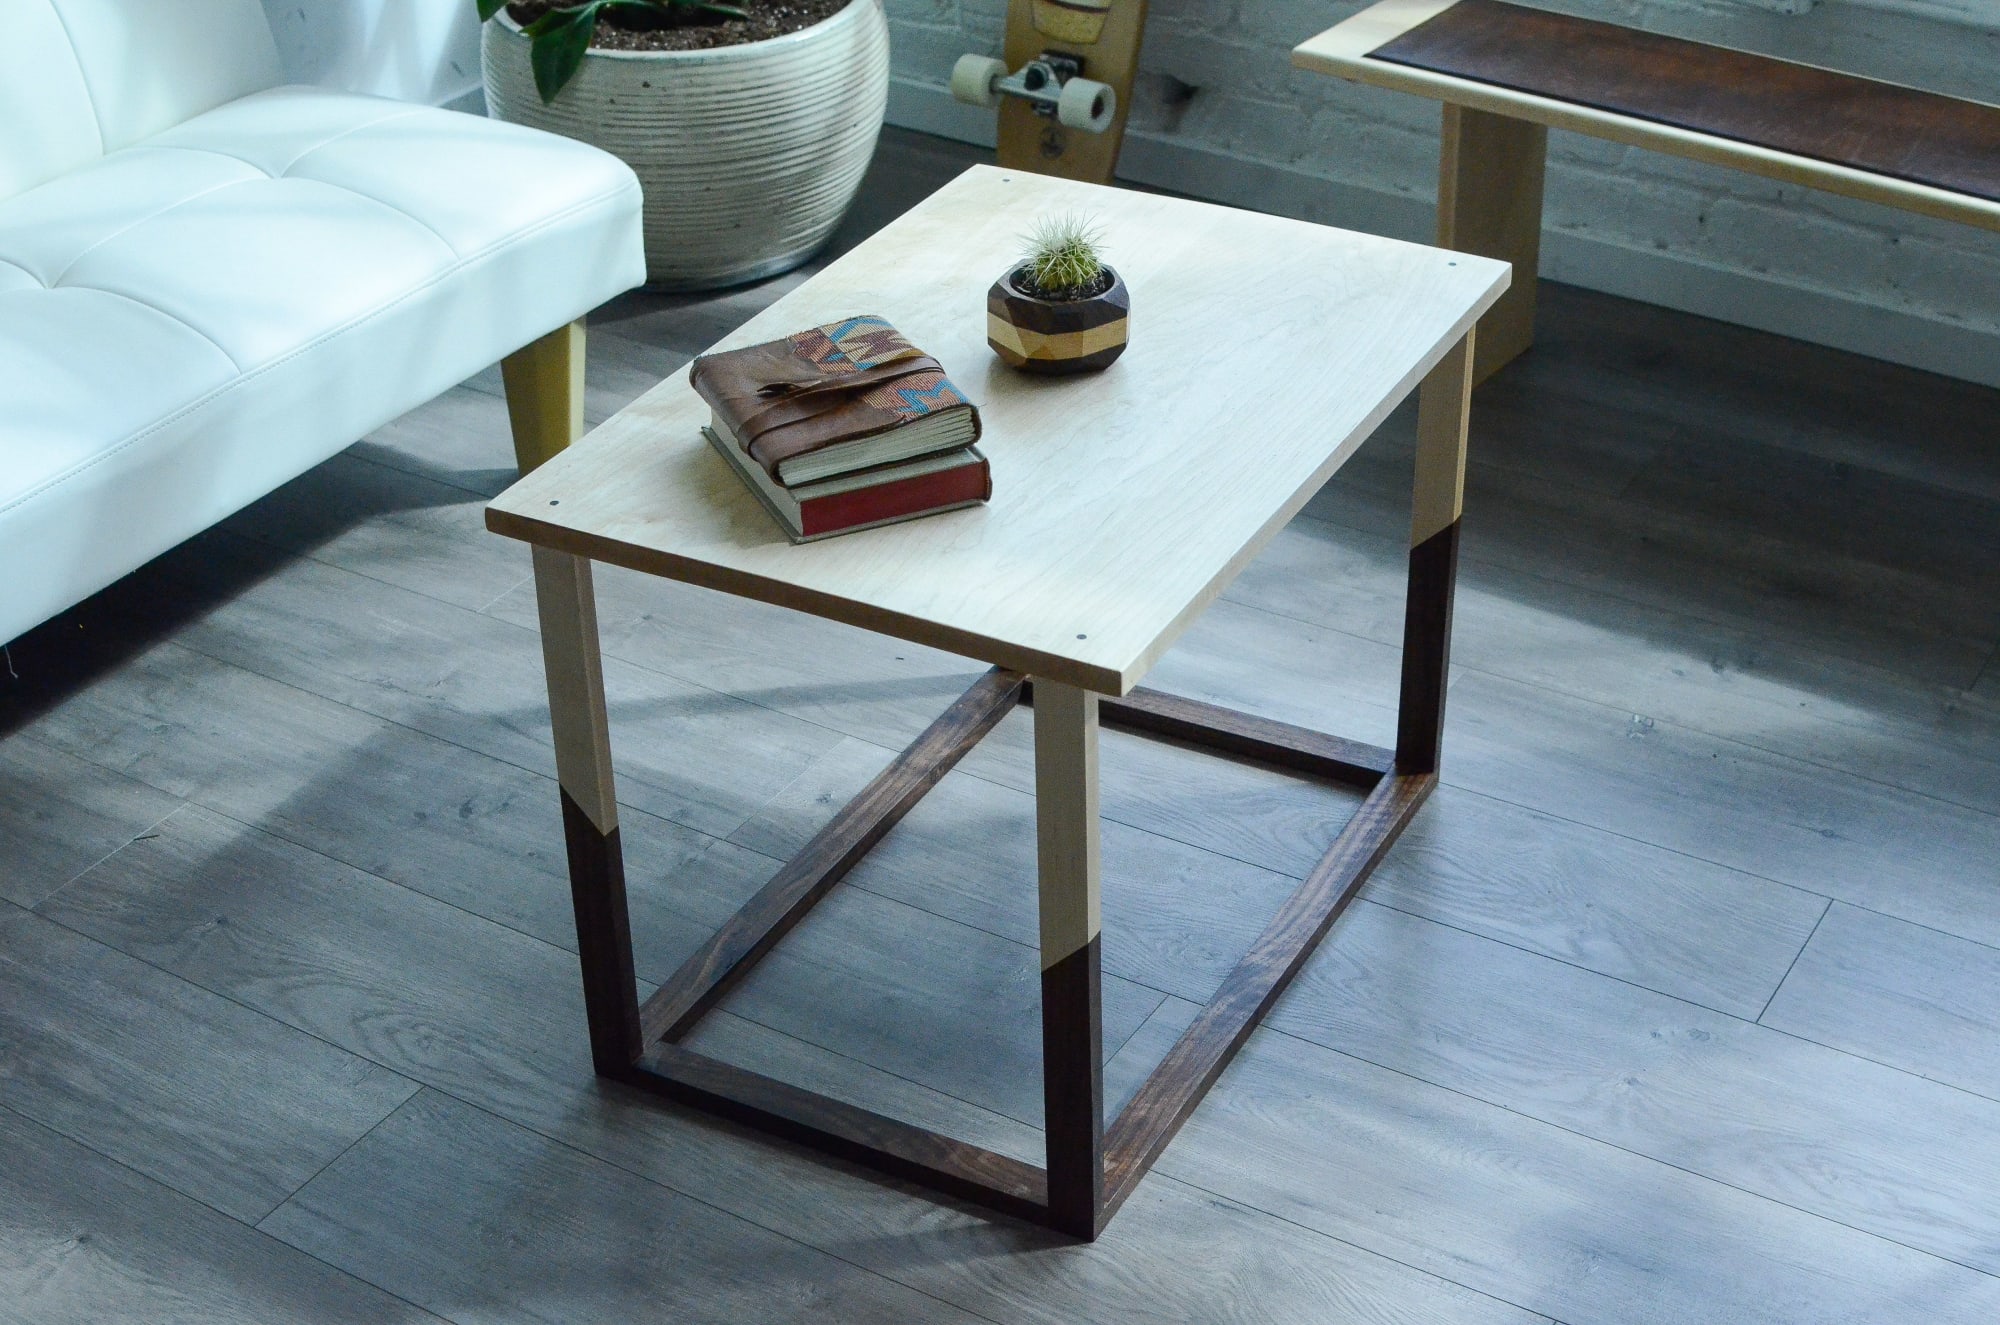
(1444, 405)
(1069, 863)
(568, 609)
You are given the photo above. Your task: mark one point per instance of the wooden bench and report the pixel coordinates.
(1506, 74)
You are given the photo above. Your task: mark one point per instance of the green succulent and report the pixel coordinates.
(1062, 259)
(560, 37)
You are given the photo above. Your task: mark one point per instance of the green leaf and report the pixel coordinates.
(553, 19)
(488, 8)
(561, 37)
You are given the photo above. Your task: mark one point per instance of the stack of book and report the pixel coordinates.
(843, 427)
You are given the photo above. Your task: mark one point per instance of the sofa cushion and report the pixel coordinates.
(86, 77)
(189, 322)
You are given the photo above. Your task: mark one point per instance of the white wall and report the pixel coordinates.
(1257, 133)
(416, 50)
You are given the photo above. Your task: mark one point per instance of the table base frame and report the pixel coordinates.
(657, 1062)
(1092, 1168)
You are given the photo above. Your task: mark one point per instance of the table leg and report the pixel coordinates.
(1443, 414)
(1066, 829)
(568, 608)
(1490, 203)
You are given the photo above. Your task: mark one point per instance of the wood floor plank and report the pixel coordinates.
(541, 1232)
(60, 814)
(851, 680)
(1729, 480)
(1900, 994)
(1646, 361)
(1717, 800)
(1920, 625)
(84, 1241)
(1584, 1232)
(687, 324)
(933, 1001)
(1738, 1103)
(749, 1044)
(458, 825)
(1733, 683)
(188, 1088)
(1176, 918)
(403, 528)
(1724, 802)
(1135, 1060)
(1592, 446)
(1591, 895)
(1660, 919)
(429, 991)
(1728, 680)
(478, 682)
(461, 437)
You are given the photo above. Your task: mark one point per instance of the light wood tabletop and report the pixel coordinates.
(1264, 351)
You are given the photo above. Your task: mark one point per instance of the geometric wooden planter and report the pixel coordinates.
(1056, 337)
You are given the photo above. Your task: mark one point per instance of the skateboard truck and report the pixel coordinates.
(1052, 84)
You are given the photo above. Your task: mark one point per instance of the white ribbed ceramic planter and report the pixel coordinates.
(749, 154)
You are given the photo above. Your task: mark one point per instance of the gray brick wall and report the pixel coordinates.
(1255, 132)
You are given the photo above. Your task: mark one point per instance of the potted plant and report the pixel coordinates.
(749, 122)
(1060, 309)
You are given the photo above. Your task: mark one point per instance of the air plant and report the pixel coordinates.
(560, 37)
(1061, 261)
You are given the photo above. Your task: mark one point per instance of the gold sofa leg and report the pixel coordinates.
(544, 382)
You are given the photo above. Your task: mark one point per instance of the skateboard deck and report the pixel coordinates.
(1029, 141)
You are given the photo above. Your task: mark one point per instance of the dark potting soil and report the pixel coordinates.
(683, 29)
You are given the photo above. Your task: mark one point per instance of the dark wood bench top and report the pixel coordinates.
(1844, 119)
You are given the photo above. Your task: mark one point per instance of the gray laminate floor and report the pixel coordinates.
(1679, 1003)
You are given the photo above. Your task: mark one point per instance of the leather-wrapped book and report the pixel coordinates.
(848, 396)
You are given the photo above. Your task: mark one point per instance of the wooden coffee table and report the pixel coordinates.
(1264, 352)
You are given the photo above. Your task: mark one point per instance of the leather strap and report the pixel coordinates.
(794, 402)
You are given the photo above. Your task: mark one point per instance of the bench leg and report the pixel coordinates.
(1490, 203)
(544, 382)
(1066, 829)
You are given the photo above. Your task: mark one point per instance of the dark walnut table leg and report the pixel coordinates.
(1091, 1167)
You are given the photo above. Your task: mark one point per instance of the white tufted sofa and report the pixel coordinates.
(209, 283)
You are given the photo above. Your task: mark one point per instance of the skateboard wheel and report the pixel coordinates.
(975, 80)
(1086, 104)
